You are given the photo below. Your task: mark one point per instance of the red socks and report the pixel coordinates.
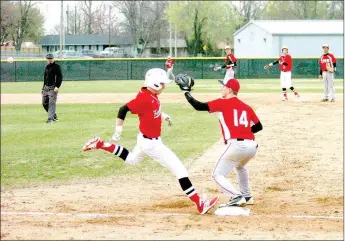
(106, 146)
(195, 198)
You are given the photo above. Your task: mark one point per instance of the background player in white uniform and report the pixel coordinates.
(147, 106)
(328, 66)
(230, 62)
(238, 123)
(169, 65)
(285, 65)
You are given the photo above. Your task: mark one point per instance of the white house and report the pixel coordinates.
(264, 38)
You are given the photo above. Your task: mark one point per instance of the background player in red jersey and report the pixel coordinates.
(328, 65)
(229, 64)
(285, 65)
(147, 106)
(169, 65)
(238, 122)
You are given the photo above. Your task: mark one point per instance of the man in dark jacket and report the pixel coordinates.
(51, 85)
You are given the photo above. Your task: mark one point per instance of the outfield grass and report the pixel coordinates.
(201, 86)
(35, 152)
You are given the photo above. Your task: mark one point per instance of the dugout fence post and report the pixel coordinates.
(202, 69)
(127, 69)
(15, 71)
(89, 69)
(317, 68)
(238, 70)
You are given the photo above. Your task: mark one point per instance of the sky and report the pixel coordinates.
(51, 11)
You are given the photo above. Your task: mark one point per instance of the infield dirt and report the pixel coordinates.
(298, 171)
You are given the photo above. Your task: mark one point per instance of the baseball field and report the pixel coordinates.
(50, 189)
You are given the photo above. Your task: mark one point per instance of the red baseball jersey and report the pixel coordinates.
(326, 58)
(285, 59)
(147, 106)
(169, 63)
(235, 117)
(230, 57)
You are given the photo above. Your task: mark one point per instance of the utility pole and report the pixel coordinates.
(61, 26)
(175, 42)
(170, 50)
(67, 16)
(75, 19)
(109, 26)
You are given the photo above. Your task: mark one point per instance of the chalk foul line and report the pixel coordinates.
(105, 215)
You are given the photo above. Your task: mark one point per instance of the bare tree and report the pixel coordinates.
(27, 22)
(6, 20)
(143, 20)
(103, 21)
(250, 10)
(75, 19)
(160, 23)
(88, 15)
(55, 30)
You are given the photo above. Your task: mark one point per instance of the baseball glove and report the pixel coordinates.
(329, 68)
(184, 81)
(217, 68)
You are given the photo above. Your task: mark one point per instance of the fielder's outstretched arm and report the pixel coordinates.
(230, 63)
(200, 106)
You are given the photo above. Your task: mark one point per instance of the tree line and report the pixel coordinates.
(200, 23)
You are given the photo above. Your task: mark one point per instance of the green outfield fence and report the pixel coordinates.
(135, 68)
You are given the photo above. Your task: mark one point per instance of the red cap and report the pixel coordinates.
(231, 83)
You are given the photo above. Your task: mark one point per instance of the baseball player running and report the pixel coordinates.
(169, 65)
(285, 65)
(238, 122)
(328, 65)
(147, 106)
(229, 64)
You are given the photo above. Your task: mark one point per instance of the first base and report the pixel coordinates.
(232, 211)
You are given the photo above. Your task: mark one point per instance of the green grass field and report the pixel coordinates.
(201, 86)
(35, 152)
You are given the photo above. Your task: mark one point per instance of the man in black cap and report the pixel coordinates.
(51, 85)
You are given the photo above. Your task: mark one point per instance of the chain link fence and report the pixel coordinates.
(134, 69)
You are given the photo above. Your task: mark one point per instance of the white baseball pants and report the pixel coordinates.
(156, 150)
(236, 155)
(329, 90)
(229, 74)
(170, 74)
(285, 79)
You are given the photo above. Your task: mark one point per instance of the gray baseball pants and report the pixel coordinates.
(329, 90)
(170, 74)
(49, 97)
(236, 155)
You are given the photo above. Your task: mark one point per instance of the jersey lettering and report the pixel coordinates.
(243, 120)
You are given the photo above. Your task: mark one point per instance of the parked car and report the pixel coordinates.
(74, 55)
(58, 54)
(91, 53)
(113, 52)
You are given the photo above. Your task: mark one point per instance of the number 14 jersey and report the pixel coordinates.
(235, 117)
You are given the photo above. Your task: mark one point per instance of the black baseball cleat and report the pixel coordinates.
(324, 100)
(49, 121)
(56, 118)
(332, 100)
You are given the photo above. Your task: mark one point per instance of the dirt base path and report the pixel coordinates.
(91, 98)
(298, 172)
